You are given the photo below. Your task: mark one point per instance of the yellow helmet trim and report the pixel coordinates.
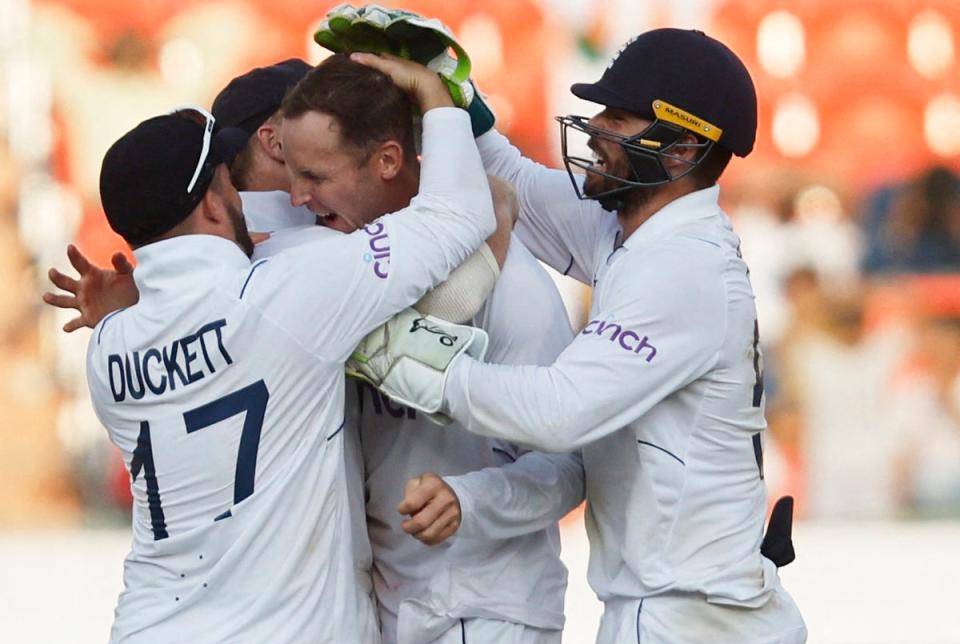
(672, 114)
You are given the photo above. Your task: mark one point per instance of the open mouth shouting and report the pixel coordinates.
(336, 221)
(599, 159)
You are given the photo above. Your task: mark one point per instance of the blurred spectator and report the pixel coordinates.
(926, 404)
(33, 489)
(825, 236)
(762, 209)
(914, 227)
(784, 403)
(787, 223)
(839, 375)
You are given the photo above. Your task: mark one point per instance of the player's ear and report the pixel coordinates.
(213, 204)
(685, 151)
(388, 159)
(210, 207)
(268, 138)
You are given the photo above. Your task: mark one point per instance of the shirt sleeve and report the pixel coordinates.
(99, 390)
(561, 230)
(360, 280)
(525, 496)
(661, 331)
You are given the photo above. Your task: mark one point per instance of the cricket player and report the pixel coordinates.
(500, 578)
(662, 389)
(223, 385)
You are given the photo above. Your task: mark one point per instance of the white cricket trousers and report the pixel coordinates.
(418, 625)
(472, 630)
(683, 618)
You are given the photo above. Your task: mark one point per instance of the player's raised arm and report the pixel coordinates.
(351, 160)
(454, 198)
(561, 232)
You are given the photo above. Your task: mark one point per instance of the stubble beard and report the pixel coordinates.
(240, 232)
(626, 200)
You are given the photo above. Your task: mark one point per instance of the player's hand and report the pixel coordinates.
(378, 30)
(408, 357)
(413, 78)
(433, 507)
(97, 292)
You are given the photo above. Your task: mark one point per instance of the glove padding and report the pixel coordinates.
(372, 28)
(461, 296)
(407, 358)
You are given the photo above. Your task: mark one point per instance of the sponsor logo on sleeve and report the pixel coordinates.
(378, 252)
(626, 339)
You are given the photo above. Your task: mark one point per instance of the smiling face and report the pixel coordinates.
(339, 182)
(610, 157)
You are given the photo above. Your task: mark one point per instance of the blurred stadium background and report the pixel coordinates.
(849, 212)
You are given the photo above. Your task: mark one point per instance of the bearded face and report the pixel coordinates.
(611, 176)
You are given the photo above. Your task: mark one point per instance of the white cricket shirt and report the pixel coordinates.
(661, 389)
(223, 388)
(503, 563)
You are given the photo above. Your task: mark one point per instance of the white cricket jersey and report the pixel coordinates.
(223, 388)
(503, 563)
(661, 389)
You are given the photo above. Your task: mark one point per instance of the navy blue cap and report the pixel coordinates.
(249, 99)
(688, 70)
(145, 174)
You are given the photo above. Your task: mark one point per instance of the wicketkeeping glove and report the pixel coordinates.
(407, 357)
(372, 28)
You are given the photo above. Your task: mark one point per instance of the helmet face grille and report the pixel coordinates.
(645, 153)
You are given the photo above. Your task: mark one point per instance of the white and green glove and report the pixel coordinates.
(408, 357)
(372, 28)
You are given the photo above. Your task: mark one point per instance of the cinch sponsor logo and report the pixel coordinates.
(379, 249)
(627, 339)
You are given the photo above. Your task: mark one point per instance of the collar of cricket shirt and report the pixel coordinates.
(694, 206)
(184, 257)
